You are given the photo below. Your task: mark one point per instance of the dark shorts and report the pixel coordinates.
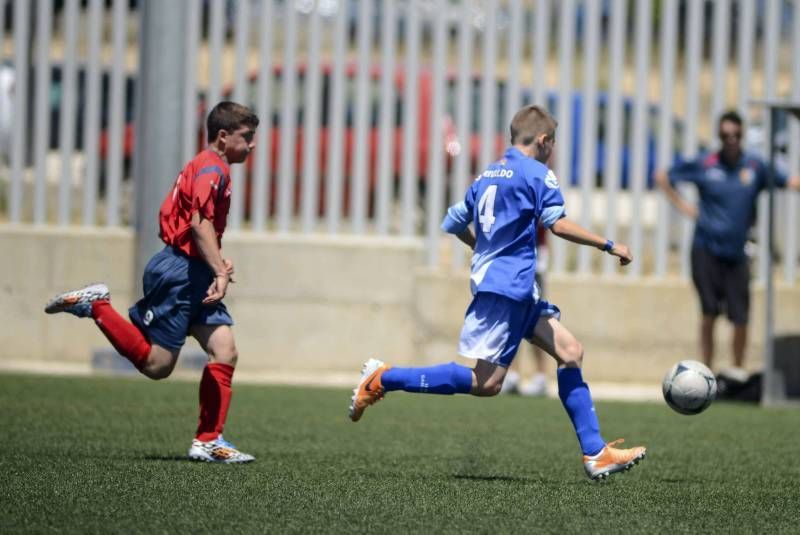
(174, 288)
(722, 285)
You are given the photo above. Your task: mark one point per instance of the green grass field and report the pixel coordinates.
(106, 454)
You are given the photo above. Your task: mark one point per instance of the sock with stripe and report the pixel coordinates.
(450, 378)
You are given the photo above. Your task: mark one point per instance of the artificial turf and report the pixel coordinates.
(107, 455)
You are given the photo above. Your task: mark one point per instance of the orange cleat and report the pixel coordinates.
(611, 460)
(369, 389)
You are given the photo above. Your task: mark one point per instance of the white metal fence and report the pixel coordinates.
(376, 114)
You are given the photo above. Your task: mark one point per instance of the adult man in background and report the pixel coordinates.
(728, 182)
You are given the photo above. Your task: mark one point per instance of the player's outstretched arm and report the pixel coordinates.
(205, 237)
(571, 231)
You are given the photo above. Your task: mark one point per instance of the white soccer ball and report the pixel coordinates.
(689, 387)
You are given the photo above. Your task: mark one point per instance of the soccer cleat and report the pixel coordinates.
(78, 302)
(369, 389)
(218, 450)
(611, 460)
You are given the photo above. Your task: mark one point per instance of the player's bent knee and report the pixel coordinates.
(225, 357)
(157, 372)
(158, 368)
(160, 363)
(487, 389)
(488, 379)
(573, 354)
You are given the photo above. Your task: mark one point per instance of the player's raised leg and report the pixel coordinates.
(215, 396)
(599, 459)
(94, 301)
(377, 378)
(491, 334)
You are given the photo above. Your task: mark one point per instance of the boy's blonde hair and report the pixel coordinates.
(531, 122)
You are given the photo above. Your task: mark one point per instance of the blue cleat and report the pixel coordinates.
(78, 302)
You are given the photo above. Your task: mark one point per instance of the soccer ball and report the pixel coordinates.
(689, 387)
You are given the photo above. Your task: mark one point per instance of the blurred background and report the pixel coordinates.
(375, 116)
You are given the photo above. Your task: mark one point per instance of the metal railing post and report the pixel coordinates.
(158, 121)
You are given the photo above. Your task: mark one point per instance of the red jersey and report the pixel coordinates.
(203, 186)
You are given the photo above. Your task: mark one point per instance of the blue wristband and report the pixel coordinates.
(608, 246)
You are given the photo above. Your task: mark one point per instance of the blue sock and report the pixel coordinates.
(577, 400)
(449, 378)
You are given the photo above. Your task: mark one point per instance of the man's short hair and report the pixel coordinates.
(229, 116)
(529, 123)
(731, 116)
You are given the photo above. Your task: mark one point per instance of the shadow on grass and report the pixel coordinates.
(475, 477)
(173, 458)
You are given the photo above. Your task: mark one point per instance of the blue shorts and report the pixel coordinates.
(174, 288)
(495, 325)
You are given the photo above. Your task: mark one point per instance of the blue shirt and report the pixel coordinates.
(507, 202)
(727, 200)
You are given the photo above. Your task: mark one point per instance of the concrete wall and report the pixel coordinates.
(327, 303)
(39, 263)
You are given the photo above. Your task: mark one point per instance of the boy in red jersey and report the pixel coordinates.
(185, 282)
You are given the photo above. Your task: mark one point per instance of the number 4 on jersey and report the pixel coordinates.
(486, 208)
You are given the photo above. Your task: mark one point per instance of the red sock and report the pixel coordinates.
(126, 338)
(215, 398)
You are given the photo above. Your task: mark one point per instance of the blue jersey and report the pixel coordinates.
(728, 195)
(507, 202)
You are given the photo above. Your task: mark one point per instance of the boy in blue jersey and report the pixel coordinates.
(506, 203)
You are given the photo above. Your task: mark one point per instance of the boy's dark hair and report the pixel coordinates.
(732, 116)
(229, 116)
(529, 123)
